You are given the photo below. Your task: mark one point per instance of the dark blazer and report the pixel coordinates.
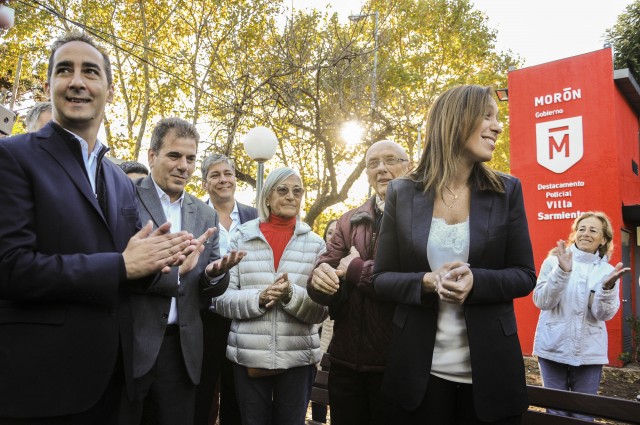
(501, 260)
(64, 299)
(245, 212)
(151, 308)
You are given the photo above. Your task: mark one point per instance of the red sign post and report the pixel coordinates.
(567, 122)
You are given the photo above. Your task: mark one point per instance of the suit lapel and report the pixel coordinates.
(189, 214)
(149, 198)
(421, 223)
(53, 144)
(112, 199)
(478, 224)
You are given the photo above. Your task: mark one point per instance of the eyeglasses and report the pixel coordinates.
(387, 160)
(283, 190)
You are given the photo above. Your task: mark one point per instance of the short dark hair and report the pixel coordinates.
(80, 36)
(34, 114)
(133, 167)
(181, 128)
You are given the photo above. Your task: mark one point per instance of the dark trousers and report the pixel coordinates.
(446, 403)
(216, 370)
(104, 412)
(166, 394)
(274, 400)
(355, 398)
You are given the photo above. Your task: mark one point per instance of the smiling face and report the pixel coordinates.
(380, 176)
(78, 87)
(285, 205)
(481, 143)
(220, 182)
(173, 164)
(589, 235)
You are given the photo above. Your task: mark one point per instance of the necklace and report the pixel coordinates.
(455, 198)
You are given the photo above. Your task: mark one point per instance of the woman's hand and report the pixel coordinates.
(429, 283)
(278, 290)
(454, 285)
(612, 278)
(565, 257)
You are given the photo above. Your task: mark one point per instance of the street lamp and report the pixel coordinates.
(376, 16)
(260, 143)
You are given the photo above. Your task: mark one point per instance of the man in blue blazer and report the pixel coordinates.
(70, 250)
(219, 180)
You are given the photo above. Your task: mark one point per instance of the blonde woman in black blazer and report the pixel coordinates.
(454, 251)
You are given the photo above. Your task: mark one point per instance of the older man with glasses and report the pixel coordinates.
(342, 281)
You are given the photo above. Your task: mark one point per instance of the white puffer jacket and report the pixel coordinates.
(569, 331)
(285, 335)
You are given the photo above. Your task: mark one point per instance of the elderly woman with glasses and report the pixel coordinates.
(274, 342)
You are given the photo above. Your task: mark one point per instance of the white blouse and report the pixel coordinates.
(451, 357)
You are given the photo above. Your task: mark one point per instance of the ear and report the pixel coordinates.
(151, 156)
(110, 94)
(46, 91)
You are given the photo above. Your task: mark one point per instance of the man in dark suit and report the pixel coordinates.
(219, 180)
(167, 329)
(70, 250)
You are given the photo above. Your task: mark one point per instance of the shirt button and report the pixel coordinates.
(165, 316)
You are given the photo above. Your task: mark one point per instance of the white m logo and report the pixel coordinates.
(559, 143)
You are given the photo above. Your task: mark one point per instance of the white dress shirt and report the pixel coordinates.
(173, 214)
(224, 234)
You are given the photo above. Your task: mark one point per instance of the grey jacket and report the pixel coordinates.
(151, 308)
(285, 335)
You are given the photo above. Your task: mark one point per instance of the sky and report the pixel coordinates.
(539, 31)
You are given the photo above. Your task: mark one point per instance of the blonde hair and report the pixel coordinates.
(452, 119)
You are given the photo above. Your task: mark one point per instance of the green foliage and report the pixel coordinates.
(625, 39)
(229, 65)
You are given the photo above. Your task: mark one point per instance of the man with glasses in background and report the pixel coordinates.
(342, 281)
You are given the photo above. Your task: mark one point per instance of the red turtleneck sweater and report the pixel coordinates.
(278, 232)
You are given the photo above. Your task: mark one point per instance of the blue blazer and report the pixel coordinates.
(501, 260)
(64, 301)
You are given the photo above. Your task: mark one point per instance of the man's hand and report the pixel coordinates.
(150, 252)
(326, 279)
(224, 264)
(344, 263)
(192, 259)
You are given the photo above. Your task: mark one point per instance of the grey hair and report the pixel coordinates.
(182, 128)
(215, 159)
(34, 114)
(274, 178)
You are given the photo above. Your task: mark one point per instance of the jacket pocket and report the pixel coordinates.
(508, 322)
(400, 317)
(38, 315)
